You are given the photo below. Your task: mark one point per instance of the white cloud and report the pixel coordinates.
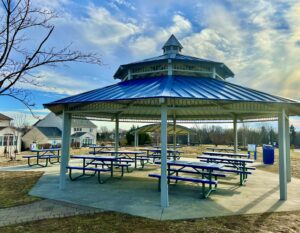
(244, 36)
(250, 39)
(23, 118)
(116, 4)
(54, 82)
(103, 29)
(152, 38)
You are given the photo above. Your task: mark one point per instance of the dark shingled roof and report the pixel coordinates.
(78, 134)
(172, 41)
(4, 117)
(50, 132)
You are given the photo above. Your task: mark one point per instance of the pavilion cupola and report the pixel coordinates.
(173, 63)
(172, 46)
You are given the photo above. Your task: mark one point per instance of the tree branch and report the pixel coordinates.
(18, 62)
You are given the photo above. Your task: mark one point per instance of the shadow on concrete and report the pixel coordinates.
(258, 200)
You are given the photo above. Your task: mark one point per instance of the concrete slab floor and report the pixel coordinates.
(137, 194)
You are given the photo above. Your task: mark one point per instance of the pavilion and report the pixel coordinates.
(172, 129)
(177, 88)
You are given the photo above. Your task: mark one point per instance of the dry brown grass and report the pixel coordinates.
(295, 163)
(5, 162)
(117, 222)
(14, 188)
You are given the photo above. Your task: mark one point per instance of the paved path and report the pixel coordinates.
(43, 209)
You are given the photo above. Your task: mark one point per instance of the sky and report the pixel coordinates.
(259, 40)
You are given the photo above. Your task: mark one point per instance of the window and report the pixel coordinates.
(87, 141)
(5, 141)
(77, 129)
(11, 140)
(91, 130)
(1, 140)
(16, 141)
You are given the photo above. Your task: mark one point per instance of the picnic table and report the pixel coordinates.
(227, 154)
(138, 156)
(92, 163)
(43, 154)
(169, 146)
(98, 148)
(228, 149)
(237, 165)
(204, 172)
(156, 153)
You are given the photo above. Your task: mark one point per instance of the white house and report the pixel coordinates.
(10, 137)
(49, 130)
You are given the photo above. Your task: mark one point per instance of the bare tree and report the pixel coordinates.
(216, 135)
(17, 61)
(20, 120)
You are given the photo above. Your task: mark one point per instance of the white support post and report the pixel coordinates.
(282, 155)
(188, 139)
(170, 67)
(117, 133)
(235, 133)
(65, 150)
(214, 73)
(164, 194)
(136, 138)
(288, 156)
(129, 74)
(174, 136)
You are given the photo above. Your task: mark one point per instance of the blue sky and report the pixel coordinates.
(259, 40)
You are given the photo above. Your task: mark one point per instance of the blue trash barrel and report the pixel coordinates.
(268, 154)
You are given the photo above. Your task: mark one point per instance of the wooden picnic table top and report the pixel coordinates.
(192, 164)
(221, 158)
(225, 154)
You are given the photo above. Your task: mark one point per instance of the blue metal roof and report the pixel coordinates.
(173, 87)
(178, 57)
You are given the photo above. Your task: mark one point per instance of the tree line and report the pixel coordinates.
(205, 135)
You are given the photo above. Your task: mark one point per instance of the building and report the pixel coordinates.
(49, 131)
(10, 137)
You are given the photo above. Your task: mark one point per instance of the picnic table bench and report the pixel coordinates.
(155, 154)
(233, 165)
(127, 156)
(94, 169)
(187, 179)
(43, 154)
(205, 172)
(98, 148)
(107, 163)
(227, 154)
(220, 149)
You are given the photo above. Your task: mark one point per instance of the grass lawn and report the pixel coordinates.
(14, 188)
(115, 222)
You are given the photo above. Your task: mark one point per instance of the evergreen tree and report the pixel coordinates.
(292, 135)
